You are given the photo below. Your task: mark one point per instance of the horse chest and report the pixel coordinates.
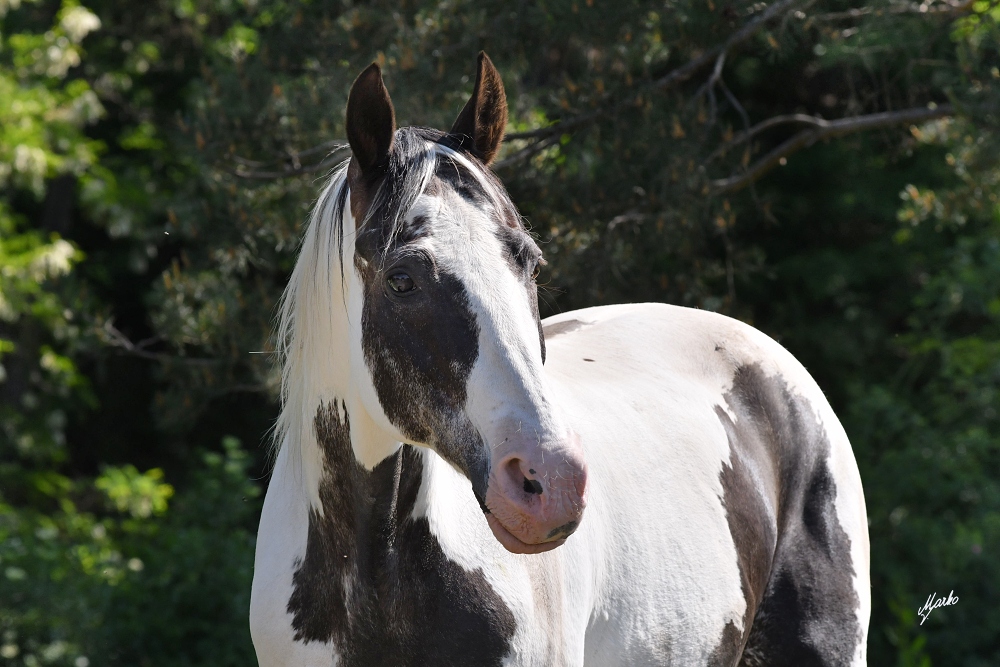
(375, 583)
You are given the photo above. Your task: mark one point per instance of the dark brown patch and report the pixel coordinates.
(728, 651)
(796, 569)
(453, 175)
(559, 328)
(519, 250)
(375, 582)
(420, 350)
(414, 229)
(752, 529)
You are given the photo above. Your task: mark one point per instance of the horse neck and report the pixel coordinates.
(358, 519)
(364, 512)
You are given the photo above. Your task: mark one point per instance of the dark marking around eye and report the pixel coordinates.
(420, 360)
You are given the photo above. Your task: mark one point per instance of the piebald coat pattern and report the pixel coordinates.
(458, 483)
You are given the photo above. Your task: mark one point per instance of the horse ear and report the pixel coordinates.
(371, 121)
(480, 126)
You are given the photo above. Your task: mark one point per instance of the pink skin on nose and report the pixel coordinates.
(536, 494)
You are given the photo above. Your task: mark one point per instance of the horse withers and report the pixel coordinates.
(457, 482)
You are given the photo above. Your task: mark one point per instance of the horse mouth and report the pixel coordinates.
(517, 546)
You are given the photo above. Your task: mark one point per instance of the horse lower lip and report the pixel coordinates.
(515, 545)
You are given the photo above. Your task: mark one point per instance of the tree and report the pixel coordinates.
(746, 158)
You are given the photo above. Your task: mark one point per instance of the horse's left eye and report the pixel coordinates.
(401, 282)
(538, 268)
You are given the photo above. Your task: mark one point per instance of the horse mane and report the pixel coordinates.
(299, 327)
(309, 321)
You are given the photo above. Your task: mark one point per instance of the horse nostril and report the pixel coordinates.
(532, 486)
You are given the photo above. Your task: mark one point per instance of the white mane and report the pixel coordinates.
(310, 321)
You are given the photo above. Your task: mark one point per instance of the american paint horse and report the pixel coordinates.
(459, 483)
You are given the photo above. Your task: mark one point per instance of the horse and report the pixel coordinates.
(458, 482)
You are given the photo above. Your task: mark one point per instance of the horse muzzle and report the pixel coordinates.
(536, 494)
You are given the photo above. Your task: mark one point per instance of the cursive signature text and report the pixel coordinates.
(933, 604)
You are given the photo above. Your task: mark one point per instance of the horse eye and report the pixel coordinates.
(401, 282)
(538, 268)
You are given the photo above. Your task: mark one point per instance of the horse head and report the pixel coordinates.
(447, 347)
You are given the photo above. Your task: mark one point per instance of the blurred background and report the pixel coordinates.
(825, 170)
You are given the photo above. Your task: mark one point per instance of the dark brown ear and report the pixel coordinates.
(371, 121)
(480, 126)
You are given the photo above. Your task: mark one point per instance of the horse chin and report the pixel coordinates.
(516, 546)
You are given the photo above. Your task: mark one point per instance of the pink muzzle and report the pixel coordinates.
(535, 495)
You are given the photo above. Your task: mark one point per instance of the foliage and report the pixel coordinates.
(100, 572)
(936, 421)
(156, 168)
(41, 136)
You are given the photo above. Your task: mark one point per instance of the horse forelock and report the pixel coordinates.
(425, 161)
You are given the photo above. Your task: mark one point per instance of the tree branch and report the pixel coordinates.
(328, 147)
(671, 79)
(528, 151)
(543, 137)
(709, 88)
(632, 215)
(743, 137)
(824, 129)
(117, 339)
(293, 164)
(684, 72)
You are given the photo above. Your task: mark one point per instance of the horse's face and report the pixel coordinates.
(450, 331)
